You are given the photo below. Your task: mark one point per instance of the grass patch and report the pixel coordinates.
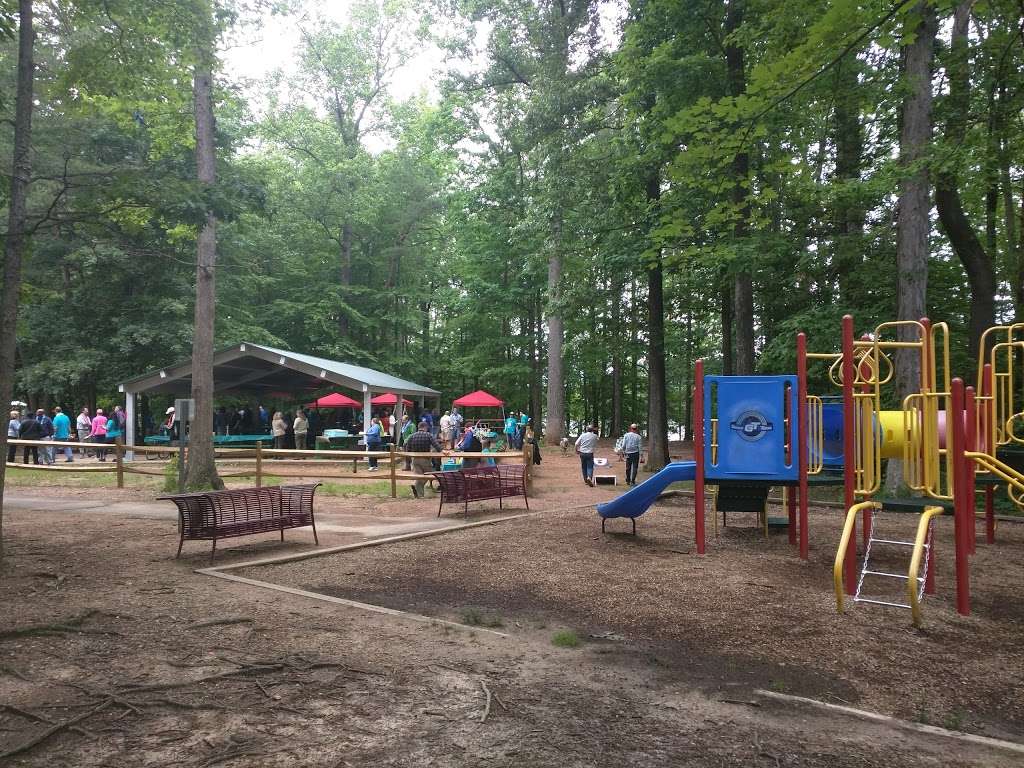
(955, 720)
(379, 489)
(41, 478)
(566, 638)
(477, 618)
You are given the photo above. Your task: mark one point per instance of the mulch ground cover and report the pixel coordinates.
(748, 611)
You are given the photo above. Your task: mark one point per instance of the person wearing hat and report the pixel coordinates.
(630, 448)
(171, 426)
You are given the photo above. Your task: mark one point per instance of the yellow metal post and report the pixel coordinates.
(837, 568)
(915, 561)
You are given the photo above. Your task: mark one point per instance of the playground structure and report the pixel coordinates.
(756, 432)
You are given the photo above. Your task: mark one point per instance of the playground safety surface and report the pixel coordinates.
(749, 613)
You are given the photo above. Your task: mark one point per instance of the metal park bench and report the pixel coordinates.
(213, 515)
(480, 484)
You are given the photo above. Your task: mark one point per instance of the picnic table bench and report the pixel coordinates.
(480, 484)
(213, 515)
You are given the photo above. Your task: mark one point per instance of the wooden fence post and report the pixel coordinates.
(394, 485)
(119, 458)
(527, 464)
(259, 463)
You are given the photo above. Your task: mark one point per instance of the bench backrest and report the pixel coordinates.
(202, 511)
(455, 485)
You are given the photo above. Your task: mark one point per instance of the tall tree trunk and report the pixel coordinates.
(202, 469)
(725, 316)
(849, 140)
(743, 289)
(554, 425)
(346, 279)
(14, 245)
(657, 401)
(615, 338)
(912, 224)
(977, 262)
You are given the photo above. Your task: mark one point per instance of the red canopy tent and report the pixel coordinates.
(390, 398)
(479, 399)
(335, 400)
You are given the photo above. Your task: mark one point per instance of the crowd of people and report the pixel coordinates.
(415, 429)
(104, 429)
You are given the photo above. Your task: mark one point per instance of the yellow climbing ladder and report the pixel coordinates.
(916, 575)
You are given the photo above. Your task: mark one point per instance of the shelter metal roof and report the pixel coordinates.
(258, 368)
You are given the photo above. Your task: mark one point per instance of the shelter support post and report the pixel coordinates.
(129, 435)
(367, 409)
(397, 415)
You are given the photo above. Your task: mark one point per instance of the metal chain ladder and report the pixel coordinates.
(866, 570)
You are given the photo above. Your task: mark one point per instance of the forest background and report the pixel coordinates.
(568, 217)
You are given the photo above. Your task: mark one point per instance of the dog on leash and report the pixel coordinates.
(564, 444)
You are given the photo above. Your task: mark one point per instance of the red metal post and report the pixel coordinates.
(698, 455)
(849, 460)
(955, 419)
(865, 373)
(802, 446)
(970, 444)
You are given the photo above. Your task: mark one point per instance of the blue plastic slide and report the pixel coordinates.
(636, 501)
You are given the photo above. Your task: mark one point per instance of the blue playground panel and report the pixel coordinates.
(832, 426)
(752, 428)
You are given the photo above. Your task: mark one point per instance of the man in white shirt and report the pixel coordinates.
(84, 426)
(585, 446)
(445, 425)
(631, 450)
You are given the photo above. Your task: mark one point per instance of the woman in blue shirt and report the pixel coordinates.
(471, 444)
(114, 430)
(374, 441)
